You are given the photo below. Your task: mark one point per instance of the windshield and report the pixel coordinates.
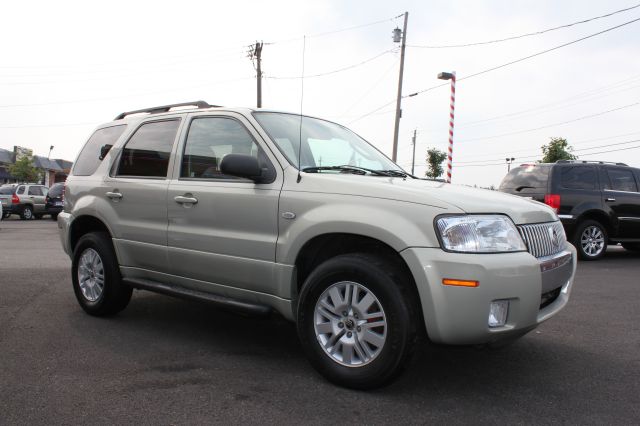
(324, 144)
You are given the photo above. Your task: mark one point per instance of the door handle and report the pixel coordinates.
(180, 199)
(114, 195)
(609, 199)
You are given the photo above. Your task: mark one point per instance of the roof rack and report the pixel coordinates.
(166, 108)
(592, 162)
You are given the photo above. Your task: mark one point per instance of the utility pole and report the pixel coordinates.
(413, 159)
(256, 54)
(398, 109)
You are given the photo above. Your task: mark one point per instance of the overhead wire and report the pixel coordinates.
(479, 43)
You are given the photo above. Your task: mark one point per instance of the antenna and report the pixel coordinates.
(304, 47)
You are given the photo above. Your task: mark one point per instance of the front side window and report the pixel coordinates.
(578, 177)
(147, 152)
(89, 158)
(622, 180)
(209, 140)
(323, 143)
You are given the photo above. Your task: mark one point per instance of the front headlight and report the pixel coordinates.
(479, 234)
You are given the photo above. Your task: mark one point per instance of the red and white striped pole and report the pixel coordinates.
(451, 115)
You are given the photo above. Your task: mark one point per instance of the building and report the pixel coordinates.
(51, 171)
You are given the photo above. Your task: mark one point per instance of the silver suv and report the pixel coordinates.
(28, 201)
(269, 211)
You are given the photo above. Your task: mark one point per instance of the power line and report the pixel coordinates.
(334, 71)
(326, 33)
(527, 34)
(527, 57)
(530, 151)
(479, 162)
(531, 158)
(75, 101)
(517, 132)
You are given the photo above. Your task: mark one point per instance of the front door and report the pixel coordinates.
(222, 229)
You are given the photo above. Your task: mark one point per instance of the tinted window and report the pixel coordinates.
(209, 140)
(534, 176)
(56, 190)
(35, 190)
(622, 180)
(89, 159)
(147, 152)
(578, 177)
(6, 190)
(20, 190)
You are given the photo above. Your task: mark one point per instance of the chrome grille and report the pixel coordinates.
(544, 239)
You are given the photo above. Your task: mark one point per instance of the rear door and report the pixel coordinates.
(136, 194)
(621, 196)
(36, 195)
(222, 229)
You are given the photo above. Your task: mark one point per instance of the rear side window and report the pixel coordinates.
(622, 180)
(35, 190)
(526, 177)
(89, 159)
(578, 177)
(20, 190)
(147, 152)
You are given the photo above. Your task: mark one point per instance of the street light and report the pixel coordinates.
(509, 161)
(50, 149)
(450, 76)
(397, 39)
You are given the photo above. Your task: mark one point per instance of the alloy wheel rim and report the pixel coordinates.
(592, 241)
(91, 275)
(27, 213)
(350, 324)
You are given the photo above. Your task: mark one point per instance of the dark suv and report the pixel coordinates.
(597, 202)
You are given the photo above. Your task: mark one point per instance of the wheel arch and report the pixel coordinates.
(326, 246)
(82, 225)
(598, 216)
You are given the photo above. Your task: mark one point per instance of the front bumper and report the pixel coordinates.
(459, 315)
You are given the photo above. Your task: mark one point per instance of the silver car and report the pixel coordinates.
(269, 211)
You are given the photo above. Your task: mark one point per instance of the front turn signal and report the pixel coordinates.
(460, 283)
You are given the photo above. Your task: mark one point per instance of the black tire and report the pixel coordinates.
(390, 286)
(115, 295)
(631, 246)
(581, 240)
(6, 215)
(54, 216)
(27, 213)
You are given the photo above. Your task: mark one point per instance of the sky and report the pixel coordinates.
(68, 66)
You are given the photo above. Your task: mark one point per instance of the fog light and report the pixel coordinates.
(498, 313)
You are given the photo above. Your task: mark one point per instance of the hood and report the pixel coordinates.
(450, 198)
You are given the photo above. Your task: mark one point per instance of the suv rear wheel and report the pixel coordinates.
(590, 240)
(355, 321)
(27, 213)
(96, 278)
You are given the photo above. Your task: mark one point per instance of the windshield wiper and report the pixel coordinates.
(346, 168)
(397, 173)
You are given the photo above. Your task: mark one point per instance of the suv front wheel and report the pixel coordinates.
(356, 322)
(590, 240)
(96, 278)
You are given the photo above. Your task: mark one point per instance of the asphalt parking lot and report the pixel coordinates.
(168, 361)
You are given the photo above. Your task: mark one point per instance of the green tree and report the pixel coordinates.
(434, 163)
(557, 149)
(23, 170)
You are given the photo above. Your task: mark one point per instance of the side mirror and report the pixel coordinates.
(104, 151)
(241, 165)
